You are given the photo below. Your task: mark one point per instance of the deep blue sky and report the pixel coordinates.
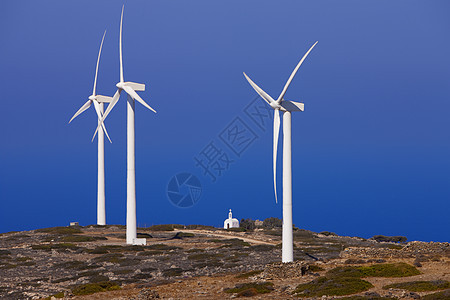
(371, 152)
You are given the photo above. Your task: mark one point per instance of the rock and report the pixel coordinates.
(285, 270)
(146, 294)
(372, 295)
(410, 250)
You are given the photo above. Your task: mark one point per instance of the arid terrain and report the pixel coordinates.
(201, 262)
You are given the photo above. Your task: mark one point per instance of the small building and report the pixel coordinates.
(230, 222)
(74, 224)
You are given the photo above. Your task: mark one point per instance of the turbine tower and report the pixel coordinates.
(98, 101)
(286, 107)
(130, 88)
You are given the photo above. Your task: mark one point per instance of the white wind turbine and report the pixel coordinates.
(98, 101)
(286, 107)
(130, 88)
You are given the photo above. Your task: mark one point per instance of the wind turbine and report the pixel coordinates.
(130, 88)
(98, 101)
(286, 107)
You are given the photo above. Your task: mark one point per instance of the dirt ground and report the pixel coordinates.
(212, 287)
(29, 270)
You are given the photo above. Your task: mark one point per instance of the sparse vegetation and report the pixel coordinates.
(58, 247)
(82, 238)
(204, 227)
(172, 272)
(249, 274)
(247, 224)
(251, 289)
(194, 250)
(98, 278)
(76, 265)
(110, 257)
(230, 242)
(133, 248)
(92, 288)
(210, 264)
(5, 266)
(165, 227)
(273, 232)
(161, 247)
(181, 234)
(420, 286)
(304, 235)
(57, 295)
(342, 281)
(438, 296)
(128, 262)
(377, 270)
(332, 286)
(370, 297)
(393, 246)
(23, 259)
(392, 239)
(144, 235)
(89, 273)
(271, 223)
(236, 229)
(328, 233)
(141, 276)
(123, 271)
(98, 250)
(261, 248)
(17, 236)
(205, 256)
(355, 261)
(174, 256)
(60, 230)
(315, 268)
(152, 252)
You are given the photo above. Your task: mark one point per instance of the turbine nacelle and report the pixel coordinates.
(286, 105)
(100, 98)
(275, 105)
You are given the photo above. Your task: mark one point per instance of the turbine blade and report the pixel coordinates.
(259, 90)
(95, 133)
(293, 74)
(98, 61)
(83, 108)
(276, 132)
(106, 132)
(108, 109)
(120, 46)
(113, 102)
(135, 96)
(99, 115)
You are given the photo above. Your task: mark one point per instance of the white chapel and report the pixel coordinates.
(230, 222)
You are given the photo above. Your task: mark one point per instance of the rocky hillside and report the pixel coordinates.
(93, 262)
